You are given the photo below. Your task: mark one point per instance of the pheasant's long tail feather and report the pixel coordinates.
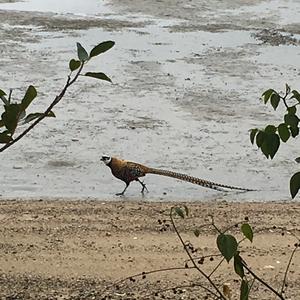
(195, 180)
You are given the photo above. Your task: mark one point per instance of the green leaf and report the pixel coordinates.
(284, 132)
(292, 110)
(227, 245)
(294, 131)
(247, 231)
(196, 232)
(291, 120)
(275, 99)
(287, 89)
(74, 64)
(238, 266)
(265, 149)
(82, 54)
(179, 212)
(101, 48)
(253, 134)
(295, 184)
(270, 145)
(10, 117)
(267, 94)
(5, 138)
(2, 93)
(270, 129)
(34, 116)
(3, 98)
(244, 290)
(260, 138)
(296, 95)
(99, 75)
(29, 96)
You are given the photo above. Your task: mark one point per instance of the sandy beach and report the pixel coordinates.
(187, 78)
(64, 249)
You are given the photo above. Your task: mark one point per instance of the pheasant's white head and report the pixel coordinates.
(106, 159)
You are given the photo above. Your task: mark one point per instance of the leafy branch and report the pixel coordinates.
(268, 139)
(228, 248)
(14, 113)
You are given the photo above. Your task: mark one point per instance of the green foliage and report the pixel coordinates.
(101, 48)
(15, 113)
(29, 96)
(74, 64)
(227, 245)
(295, 184)
(268, 139)
(34, 116)
(82, 54)
(5, 137)
(247, 231)
(98, 75)
(238, 265)
(244, 290)
(84, 57)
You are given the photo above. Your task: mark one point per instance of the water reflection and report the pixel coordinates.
(78, 7)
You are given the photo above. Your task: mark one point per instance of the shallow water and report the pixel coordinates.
(181, 100)
(86, 7)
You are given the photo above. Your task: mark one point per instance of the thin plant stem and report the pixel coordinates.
(287, 269)
(216, 267)
(182, 287)
(262, 281)
(144, 274)
(192, 260)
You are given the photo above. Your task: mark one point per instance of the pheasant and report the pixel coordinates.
(128, 171)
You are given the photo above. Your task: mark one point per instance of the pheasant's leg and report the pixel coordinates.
(122, 193)
(143, 185)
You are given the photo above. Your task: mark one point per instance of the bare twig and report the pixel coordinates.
(192, 285)
(262, 281)
(145, 274)
(193, 261)
(287, 268)
(216, 267)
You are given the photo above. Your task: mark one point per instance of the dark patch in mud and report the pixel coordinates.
(60, 163)
(228, 61)
(142, 122)
(275, 38)
(55, 22)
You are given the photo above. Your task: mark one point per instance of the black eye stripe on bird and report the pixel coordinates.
(128, 171)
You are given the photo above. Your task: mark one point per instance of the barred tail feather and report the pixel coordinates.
(195, 180)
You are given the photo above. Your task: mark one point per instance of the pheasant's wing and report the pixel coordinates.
(134, 170)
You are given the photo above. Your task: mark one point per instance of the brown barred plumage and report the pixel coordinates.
(128, 171)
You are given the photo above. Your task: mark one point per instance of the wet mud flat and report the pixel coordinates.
(186, 84)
